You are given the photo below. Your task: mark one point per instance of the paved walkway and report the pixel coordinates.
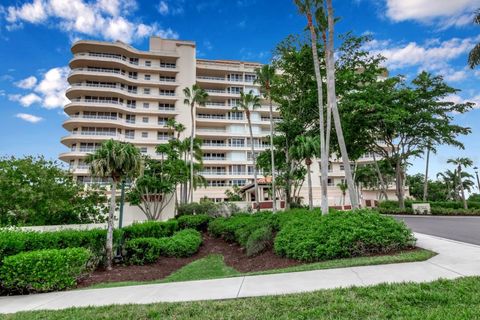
(454, 259)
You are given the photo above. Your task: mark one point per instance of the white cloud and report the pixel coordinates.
(49, 92)
(25, 100)
(433, 55)
(107, 19)
(27, 83)
(446, 13)
(163, 8)
(29, 117)
(455, 98)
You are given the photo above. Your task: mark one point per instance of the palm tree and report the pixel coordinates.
(449, 178)
(474, 56)
(343, 188)
(332, 102)
(305, 148)
(461, 162)
(193, 96)
(305, 7)
(117, 161)
(265, 77)
(252, 101)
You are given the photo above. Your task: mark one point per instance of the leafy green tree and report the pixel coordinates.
(35, 191)
(265, 77)
(234, 194)
(118, 161)
(155, 189)
(399, 121)
(250, 101)
(461, 163)
(474, 56)
(304, 149)
(193, 96)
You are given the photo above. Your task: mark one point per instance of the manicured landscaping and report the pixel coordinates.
(443, 299)
(245, 243)
(437, 208)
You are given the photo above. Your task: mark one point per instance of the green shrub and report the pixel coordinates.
(205, 207)
(393, 205)
(197, 222)
(259, 240)
(142, 250)
(238, 228)
(43, 270)
(182, 244)
(150, 229)
(16, 241)
(342, 235)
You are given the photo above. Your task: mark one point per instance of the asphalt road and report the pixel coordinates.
(465, 229)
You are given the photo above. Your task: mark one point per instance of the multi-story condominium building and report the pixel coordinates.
(118, 92)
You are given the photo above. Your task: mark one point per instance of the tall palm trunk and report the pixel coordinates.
(254, 160)
(462, 189)
(272, 157)
(331, 96)
(192, 109)
(111, 215)
(308, 162)
(425, 182)
(323, 152)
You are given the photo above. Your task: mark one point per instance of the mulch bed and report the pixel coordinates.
(234, 256)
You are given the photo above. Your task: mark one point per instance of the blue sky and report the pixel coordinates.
(35, 39)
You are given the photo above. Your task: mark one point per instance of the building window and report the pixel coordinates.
(147, 77)
(148, 63)
(145, 119)
(129, 134)
(144, 134)
(331, 182)
(250, 78)
(143, 149)
(146, 90)
(146, 105)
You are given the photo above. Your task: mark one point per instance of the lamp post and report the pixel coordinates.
(476, 174)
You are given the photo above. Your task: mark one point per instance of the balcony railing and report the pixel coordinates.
(125, 59)
(211, 78)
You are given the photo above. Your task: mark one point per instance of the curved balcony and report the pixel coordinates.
(78, 120)
(77, 89)
(116, 60)
(100, 74)
(78, 105)
(119, 48)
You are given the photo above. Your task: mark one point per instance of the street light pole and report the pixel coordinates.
(478, 180)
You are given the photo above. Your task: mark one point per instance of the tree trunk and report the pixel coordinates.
(323, 151)
(288, 187)
(383, 187)
(254, 160)
(309, 177)
(332, 99)
(399, 184)
(192, 109)
(111, 216)
(462, 189)
(425, 183)
(272, 158)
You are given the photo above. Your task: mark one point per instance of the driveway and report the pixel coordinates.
(465, 229)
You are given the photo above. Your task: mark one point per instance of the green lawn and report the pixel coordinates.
(444, 299)
(213, 266)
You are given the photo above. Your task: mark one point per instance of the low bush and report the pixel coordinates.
(197, 222)
(239, 227)
(142, 250)
(259, 240)
(150, 229)
(393, 205)
(342, 235)
(182, 244)
(210, 208)
(16, 241)
(43, 270)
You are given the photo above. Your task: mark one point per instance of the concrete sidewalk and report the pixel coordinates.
(454, 259)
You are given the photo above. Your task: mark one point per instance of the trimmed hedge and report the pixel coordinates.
(142, 250)
(198, 222)
(147, 250)
(259, 240)
(43, 270)
(182, 244)
(239, 227)
(390, 204)
(14, 241)
(342, 235)
(150, 229)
